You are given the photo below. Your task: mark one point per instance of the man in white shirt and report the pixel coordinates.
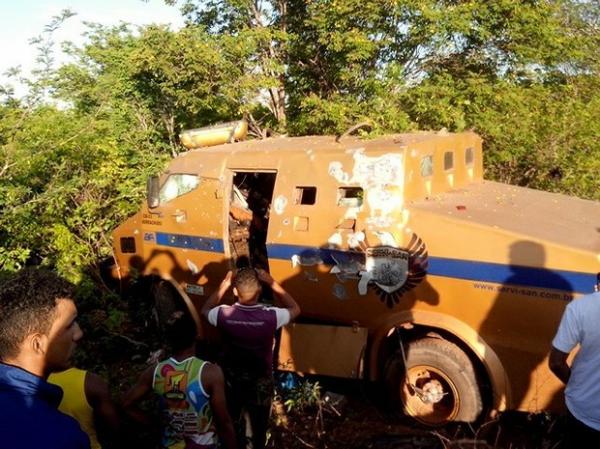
(580, 326)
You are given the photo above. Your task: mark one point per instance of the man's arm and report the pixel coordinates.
(286, 299)
(214, 299)
(558, 365)
(214, 384)
(106, 418)
(135, 395)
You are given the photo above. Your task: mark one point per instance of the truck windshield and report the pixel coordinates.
(177, 185)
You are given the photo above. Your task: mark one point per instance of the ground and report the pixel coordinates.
(354, 417)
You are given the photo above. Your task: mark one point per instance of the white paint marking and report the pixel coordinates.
(279, 204)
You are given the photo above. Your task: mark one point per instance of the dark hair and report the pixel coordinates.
(246, 279)
(180, 330)
(28, 305)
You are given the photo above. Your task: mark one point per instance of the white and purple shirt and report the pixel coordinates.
(250, 331)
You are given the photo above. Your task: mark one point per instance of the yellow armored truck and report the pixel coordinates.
(409, 268)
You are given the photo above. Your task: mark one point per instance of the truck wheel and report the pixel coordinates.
(166, 302)
(437, 386)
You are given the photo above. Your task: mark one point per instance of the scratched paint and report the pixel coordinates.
(306, 260)
(382, 179)
(335, 239)
(336, 169)
(356, 239)
(279, 204)
(352, 213)
(347, 269)
(192, 266)
(386, 239)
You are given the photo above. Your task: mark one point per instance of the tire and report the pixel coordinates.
(445, 380)
(166, 303)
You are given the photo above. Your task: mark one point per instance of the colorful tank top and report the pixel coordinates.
(185, 407)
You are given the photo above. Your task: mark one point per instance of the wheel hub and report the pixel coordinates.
(430, 396)
(431, 393)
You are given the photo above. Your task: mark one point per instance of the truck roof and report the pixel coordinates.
(388, 143)
(553, 217)
(329, 142)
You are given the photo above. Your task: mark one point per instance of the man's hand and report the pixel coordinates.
(265, 277)
(226, 282)
(558, 364)
(286, 299)
(217, 296)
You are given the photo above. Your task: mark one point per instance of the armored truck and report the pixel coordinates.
(410, 269)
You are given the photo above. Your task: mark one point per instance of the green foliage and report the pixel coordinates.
(75, 152)
(304, 395)
(72, 173)
(541, 136)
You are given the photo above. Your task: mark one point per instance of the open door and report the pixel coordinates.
(249, 209)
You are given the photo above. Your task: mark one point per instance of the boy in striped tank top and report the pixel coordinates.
(191, 394)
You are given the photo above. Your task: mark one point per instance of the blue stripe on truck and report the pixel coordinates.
(190, 242)
(465, 269)
(438, 266)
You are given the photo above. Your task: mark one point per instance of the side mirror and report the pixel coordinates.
(152, 189)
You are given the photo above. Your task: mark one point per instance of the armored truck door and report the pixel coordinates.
(189, 238)
(249, 213)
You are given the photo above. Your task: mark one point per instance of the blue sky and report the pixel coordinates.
(20, 20)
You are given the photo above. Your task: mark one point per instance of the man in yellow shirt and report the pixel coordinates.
(86, 398)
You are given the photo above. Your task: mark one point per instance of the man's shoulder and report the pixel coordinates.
(50, 428)
(585, 304)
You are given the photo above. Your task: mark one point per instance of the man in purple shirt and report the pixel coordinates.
(249, 328)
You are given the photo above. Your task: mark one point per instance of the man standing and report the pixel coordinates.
(38, 333)
(579, 326)
(249, 329)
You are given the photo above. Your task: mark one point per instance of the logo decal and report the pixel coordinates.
(388, 267)
(392, 272)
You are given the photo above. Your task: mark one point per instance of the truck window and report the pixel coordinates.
(427, 166)
(448, 160)
(350, 196)
(127, 245)
(306, 195)
(177, 185)
(469, 157)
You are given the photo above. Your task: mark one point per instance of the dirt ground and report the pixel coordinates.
(356, 418)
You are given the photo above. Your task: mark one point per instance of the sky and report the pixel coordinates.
(21, 20)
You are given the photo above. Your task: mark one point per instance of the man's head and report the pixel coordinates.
(38, 331)
(246, 286)
(180, 331)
